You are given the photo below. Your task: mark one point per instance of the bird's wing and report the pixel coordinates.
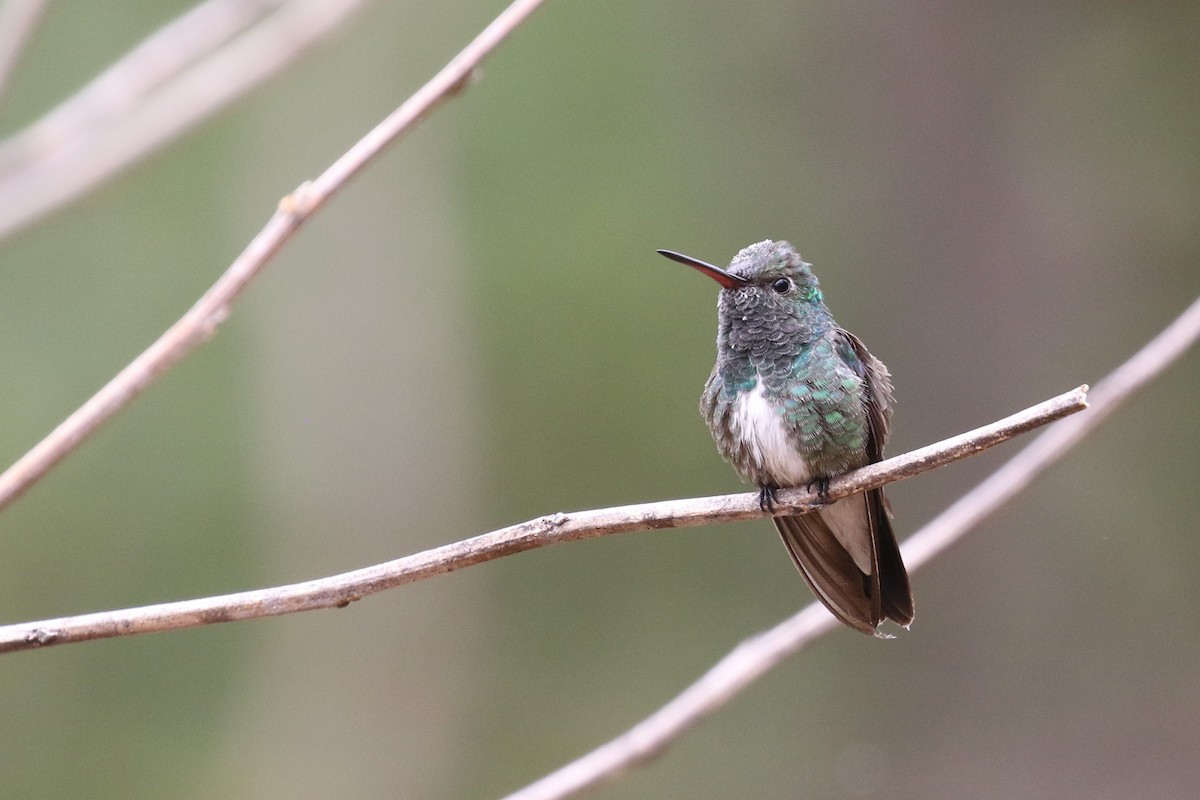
(879, 396)
(894, 591)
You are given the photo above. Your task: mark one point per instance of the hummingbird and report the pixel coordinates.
(795, 400)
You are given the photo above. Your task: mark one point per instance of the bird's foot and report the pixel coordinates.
(766, 497)
(820, 486)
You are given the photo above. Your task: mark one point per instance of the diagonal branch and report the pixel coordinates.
(337, 591)
(182, 74)
(202, 320)
(758, 655)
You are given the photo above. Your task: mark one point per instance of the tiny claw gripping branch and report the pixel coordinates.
(766, 497)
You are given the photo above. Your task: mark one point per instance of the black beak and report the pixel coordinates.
(726, 279)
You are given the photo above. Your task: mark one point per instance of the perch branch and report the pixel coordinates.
(202, 320)
(341, 590)
(756, 656)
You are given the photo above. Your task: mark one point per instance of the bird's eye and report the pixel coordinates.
(782, 285)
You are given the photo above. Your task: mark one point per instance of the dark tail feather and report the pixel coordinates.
(894, 590)
(858, 599)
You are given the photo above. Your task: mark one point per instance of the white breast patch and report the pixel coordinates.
(761, 428)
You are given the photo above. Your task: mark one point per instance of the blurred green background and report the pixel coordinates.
(1002, 200)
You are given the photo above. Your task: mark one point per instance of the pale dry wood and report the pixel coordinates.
(341, 590)
(179, 76)
(202, 320)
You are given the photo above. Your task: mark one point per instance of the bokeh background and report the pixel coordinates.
(1002, 200)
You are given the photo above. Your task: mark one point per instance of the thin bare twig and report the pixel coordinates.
(759, 654)
(117, 90)
(341, 590)
(179, 76)
(17, 21)
(202, 320)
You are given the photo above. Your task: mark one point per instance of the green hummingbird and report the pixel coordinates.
(794, 400)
